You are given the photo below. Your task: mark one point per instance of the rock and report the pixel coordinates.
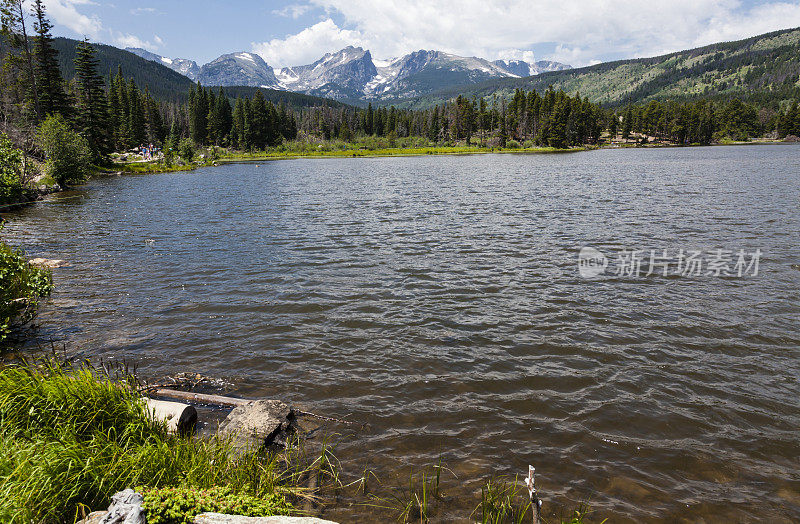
(95, 517)
(47, 263)
(259, 423)
(180, 418)
(125, 508)
(219, 518)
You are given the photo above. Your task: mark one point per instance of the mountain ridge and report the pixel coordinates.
(765, 66)
(352, 74)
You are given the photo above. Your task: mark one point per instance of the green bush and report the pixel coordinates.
(186, 149)
(10, 172)
(21, 287)
(180, 505)
(512, 144)
(68, 154)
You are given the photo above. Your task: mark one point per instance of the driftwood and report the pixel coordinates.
(201, 398)
(180, 418)
(219, 400)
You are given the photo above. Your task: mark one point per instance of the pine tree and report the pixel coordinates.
(259, 120)
(50, 85)
(92, 106)
(237, 129)
(198, 115)
(155, 124)
(136, 121)
(15, 32)
(627, 123)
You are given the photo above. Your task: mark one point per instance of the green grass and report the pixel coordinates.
(504, 501)
(71, 438)
(350, 151)
(384, 152)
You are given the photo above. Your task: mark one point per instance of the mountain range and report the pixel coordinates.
(757, 69)
(353, 74)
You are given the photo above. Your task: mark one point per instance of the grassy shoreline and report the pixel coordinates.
(71, 436)
(154, 167)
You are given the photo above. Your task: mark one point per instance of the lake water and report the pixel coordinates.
(439, 299)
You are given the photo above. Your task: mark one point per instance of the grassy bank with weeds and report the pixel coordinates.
(71, 438)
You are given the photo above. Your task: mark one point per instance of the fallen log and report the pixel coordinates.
(180, 418)
(200, 398)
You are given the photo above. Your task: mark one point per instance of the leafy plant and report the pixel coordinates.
(10, 172)
(186, 149)
(180, 505)
(21, 287)
(68, 153)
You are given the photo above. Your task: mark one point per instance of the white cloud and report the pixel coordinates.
(65, 12)
(294, 11)
(307, 45)
(129, 40)
(580, 30)
(146, 11)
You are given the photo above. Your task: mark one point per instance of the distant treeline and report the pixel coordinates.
(703, 121)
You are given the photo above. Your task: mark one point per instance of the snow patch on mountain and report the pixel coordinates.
(352, 72)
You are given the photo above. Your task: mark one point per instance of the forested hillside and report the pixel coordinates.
(762, 70)
(164, 83)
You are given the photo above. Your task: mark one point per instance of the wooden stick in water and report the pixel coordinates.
(202, 398)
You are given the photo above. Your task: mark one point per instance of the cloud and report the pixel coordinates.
(579, 31)
(307, 45)
(293, 10)
(129, 40)
(65, 12)
(146, 11)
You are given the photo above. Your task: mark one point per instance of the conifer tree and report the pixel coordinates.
(198, 115)
(92, 105)
(49, 84)
(15, 33)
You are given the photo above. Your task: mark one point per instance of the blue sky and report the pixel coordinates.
(578, 32)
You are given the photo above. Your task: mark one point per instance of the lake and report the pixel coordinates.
(440, 300)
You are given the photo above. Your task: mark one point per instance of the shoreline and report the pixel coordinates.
(155, 167)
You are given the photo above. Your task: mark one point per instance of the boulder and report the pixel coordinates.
(259, 423)
(125, 508)
(47, 263)
(219, 518)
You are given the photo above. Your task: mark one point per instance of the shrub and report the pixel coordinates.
(68, 153)
(186, 149)
(180, 505)
(512, 144)
(10, 172)
(21, 287)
